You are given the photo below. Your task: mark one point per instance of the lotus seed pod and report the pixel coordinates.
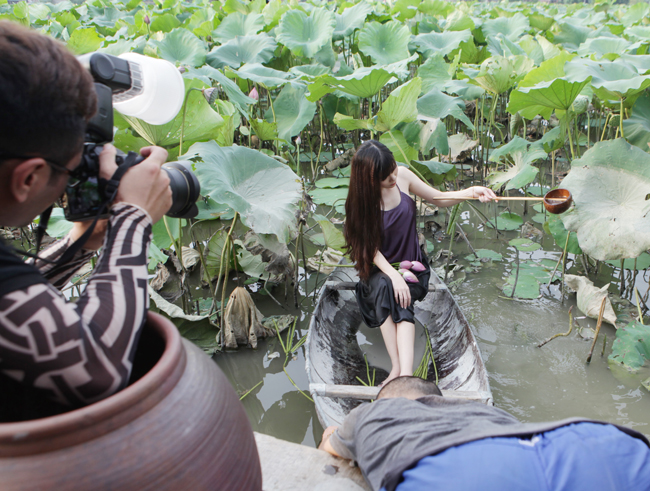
(410, 277)
(580, 104)
(418, 266)
(406, 265)
(615, 121)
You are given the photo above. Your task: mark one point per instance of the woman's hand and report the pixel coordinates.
(401, 289)
(484, 195)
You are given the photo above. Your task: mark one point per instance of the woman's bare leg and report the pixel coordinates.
(389, 333)
(405, 340)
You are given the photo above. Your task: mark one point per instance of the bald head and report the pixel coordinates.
(408, 387)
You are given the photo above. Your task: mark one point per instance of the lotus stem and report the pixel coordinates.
(602, 137)
(602, 352)
(406, 160)
(202, 259)
(600, 321)
(561, 333)
(514, 287)
(251, 389)
(564, 254)
(620, 125)
(638, 305)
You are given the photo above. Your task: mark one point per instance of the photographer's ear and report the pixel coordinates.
(27, 176)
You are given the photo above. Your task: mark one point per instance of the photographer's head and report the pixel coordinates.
(46, 98)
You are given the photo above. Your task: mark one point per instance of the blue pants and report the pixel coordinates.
(583, 456)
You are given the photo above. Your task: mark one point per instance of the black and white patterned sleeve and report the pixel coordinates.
(82, 352)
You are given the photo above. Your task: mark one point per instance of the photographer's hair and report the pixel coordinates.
(407, 386)
(372, 163)
(46, 96)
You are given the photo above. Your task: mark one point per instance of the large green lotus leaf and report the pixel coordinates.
(638, 263)
(484, 254)
(234, 93)
(506, 221)
(329, 197)
(435, 171)
(601, 46)
(511, 27)
(524, 245)
(264, 130)
(267, 77)
(164, 23)
(292, 110)
(405, 9)
(540, 21)
(263, 191)
(201, 121)
(401, 68)
(309, 72)
(498, 74)
(631, 347)
(385, 43)
(640, 62)
(434, 135)
(571, 36)
(181, 47)
(610, 79)
(609, 185)
(548, 71)
(559, 233)
(401, 106)
(638, 33)
(637, 126)
(349, 123)
(519, 172)
(397, 144)
(434, 72)
(441, 43)
(333, 236)
(635, 14)
(544, 97)
(363, 82)
(237, 24)
(84, 41)
(259, 48)
(459, 21)
(500, 45)
(435, 104)
(306, 34)
(351, 19)
(333, 182)
(243, 7)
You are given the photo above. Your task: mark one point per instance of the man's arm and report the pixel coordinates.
(325, 442)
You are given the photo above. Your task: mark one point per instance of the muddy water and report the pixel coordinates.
(534, 384)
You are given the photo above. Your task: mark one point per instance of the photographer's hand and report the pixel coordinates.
(145, 185)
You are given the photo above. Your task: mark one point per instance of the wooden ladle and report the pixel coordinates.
(555, 201)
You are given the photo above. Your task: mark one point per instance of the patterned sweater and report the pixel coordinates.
(81, 352)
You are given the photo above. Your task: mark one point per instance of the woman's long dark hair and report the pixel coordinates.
(372, 163)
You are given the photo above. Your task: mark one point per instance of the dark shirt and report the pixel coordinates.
(389, 436)
(399, 237)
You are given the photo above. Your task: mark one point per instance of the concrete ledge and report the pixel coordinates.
(291, 467)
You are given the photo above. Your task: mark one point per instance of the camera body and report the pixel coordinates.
(117, 79)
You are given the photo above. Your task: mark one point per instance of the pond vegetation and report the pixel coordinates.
(523, 97)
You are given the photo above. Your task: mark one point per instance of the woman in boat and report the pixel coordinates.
(380, 231)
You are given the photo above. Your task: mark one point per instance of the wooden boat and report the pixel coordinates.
(334, 358)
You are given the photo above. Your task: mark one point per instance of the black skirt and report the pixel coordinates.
(376, 298)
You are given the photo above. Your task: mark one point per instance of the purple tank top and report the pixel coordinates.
(399, 239)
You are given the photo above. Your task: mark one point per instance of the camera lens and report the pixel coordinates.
(185, 189)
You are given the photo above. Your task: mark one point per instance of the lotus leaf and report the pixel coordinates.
(209, 209)
(333, 236)
(559, 233)
(273, 12)
(637, 126)
(519, 172)
(540, 21)
(264, 130)
(458, 21)
(305, 35)
(349, 123)
(332, 197)
(333, 182)
(243, 49)
(397, 144)
(276, 256)
(58, 226)
(234, 93)
(364, 82)
(589, 298)
(436, 172)
(401, 68)
(529, 277)
(631, 347)
(601, 47)
(638, 32)
(498, 74)
(610, 79)
(524, 245)
(571, 36)
(350, 20)
(434, 135)
(441, 43)
(506, 221)
(84, 41)
(640, 62)
(181, 47)
(243, 7)
(435, 104)
(401, 106)
(635, 14)
(511, 27)
(173, 311)
(261, 189)
(164, 23)
(405, 9)
(609, 185)
(500, 45)
(485, 254)
(267, 77)
(309, 72)
(292, 111)
(434, 72)
(201, 121)
(385, 43)
(460, 144)
(237, 24)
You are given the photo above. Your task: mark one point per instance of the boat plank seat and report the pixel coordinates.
(351, 285)
(369, 393)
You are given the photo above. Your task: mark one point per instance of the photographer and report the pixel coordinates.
(77, 353)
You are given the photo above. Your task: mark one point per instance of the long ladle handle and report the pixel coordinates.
(519, 198)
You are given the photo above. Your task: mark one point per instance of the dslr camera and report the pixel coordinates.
(125, 80)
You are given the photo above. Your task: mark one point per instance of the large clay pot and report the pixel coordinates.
(180, 426)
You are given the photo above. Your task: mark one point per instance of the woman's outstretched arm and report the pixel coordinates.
(441, 198)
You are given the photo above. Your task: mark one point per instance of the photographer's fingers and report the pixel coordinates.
(147, 185)
(107, 165)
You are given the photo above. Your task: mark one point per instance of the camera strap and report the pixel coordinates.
(110, 187)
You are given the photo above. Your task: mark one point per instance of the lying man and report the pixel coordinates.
(411, 438)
